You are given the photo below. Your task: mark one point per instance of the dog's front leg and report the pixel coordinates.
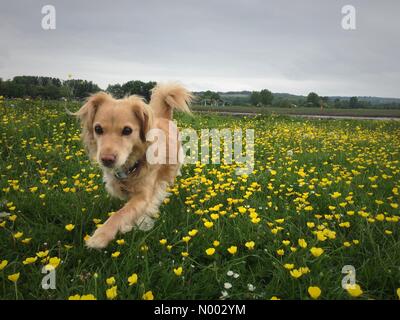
(121, 221)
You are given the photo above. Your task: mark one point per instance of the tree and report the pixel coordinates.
(255, 98)
(210, 97)
(313, 100)
(115, 90)
(266, 97)
(81, 88)
(138, 87)
(353, 102)
(337, 103)
(285, 103)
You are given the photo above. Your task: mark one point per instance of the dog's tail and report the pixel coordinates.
(168, 96)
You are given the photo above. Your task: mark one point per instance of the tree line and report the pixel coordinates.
(266, 98)
(46, 88)
(54, 88)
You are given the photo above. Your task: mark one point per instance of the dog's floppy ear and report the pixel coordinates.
(143, 114)
(86, 116)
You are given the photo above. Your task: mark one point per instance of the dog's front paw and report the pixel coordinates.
(145, 223)
(100, 239)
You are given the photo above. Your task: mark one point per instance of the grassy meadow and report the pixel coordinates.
(362, 112)
(323, 194)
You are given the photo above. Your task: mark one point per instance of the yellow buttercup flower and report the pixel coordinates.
(112, 293)
(214, 216)
(115, 254)
(232, 249)
(18, 235)
(148, 296)
(42, 254)
(314, 292)
(13, 277)
(316, 252)
(336, 195)
(53, 263)
(242, 209)
(354, 290)
(304, 270)
(208, 224)
(110, 281)
(210, 251)
(3, 264)
(302, 243)
(295, 273)
(69, 227)
(88, 297)
(26, 240)
(30, 260)
(186, 239)
(120, 242)
(250, 245)
(133, 279)
(178, 271)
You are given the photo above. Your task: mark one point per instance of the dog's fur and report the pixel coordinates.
(145, 188)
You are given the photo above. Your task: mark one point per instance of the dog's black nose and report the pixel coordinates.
(108, 160)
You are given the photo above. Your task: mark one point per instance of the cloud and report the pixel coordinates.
(286, 46)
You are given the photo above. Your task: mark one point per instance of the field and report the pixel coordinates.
(323, 195)
(376, 112)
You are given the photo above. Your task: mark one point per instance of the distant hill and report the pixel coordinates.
(243, 97)
(372, 100)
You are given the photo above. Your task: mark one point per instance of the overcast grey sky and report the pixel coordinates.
(285, 46)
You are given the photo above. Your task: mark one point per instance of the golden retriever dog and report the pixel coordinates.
(114, 134)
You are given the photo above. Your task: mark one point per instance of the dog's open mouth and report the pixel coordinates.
(126, 170)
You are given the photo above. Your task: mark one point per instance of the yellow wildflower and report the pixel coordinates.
(148, 296)
(112, 293)
(133, 279)
(232, 249)
(314, 292)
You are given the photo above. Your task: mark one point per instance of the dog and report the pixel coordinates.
(114, 135)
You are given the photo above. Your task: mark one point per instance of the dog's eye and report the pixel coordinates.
(98, 129)
(126, 131)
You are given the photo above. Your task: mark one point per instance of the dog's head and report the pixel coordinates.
(114, 131)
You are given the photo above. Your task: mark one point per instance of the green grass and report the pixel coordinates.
(395, 113)
(40, 148)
